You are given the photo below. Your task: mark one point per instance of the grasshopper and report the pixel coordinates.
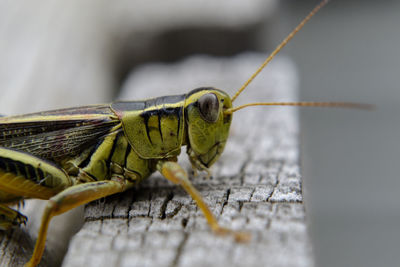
(76, 155)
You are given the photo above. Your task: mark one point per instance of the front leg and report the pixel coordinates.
(68, 199)
(176, 174)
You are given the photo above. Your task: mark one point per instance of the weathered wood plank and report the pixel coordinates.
(15, 248)
(256, 186)
(69, 53)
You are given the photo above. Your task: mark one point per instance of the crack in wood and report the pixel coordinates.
(175, 211)
(128, 209)
(184, 222)
(275, 185)
(150, 197)
(228, 192)
(179, 250)
(163, 208)
(243, 167)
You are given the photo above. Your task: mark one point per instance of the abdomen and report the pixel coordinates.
(111, 157)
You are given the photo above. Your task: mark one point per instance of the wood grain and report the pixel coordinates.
(256, 186)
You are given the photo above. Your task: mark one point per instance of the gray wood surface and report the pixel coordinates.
(256, 186)
(68, 53)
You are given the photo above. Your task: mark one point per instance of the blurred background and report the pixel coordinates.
(57, 54)
(350, 158)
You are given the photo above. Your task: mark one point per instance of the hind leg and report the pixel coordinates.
(26, 176)
(10, 218)
(68, 199)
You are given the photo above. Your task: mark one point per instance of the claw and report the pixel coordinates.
(240, 237)
(20, 219)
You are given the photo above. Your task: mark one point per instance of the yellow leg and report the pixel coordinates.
(65, 200)
(174, 172)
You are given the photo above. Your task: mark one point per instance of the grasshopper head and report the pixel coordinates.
(208, 111)
(207, 125)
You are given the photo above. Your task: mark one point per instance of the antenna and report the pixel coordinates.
(303, 104)
(280, 46)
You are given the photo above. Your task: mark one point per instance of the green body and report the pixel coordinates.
(73, 156)
(54, 150)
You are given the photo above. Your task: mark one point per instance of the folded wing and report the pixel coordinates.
(59, 133)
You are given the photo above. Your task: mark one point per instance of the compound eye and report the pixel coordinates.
(209, 107)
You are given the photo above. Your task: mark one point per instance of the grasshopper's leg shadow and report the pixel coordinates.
(68, 199)
(176, 174)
